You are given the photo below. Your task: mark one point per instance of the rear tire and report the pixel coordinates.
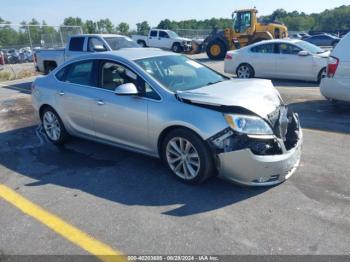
(54, 127)
(322, 74)
(187, 156)
(141, 43)
(245, 71)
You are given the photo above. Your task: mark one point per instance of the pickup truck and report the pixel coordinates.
(48, 59)
(165, 39)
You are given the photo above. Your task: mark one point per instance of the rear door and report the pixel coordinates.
(75, 48)
(75, 94)
(263, 60)
(290, 65)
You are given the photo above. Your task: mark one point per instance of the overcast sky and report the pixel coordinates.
(134, 11)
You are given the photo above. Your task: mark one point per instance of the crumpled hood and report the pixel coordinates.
(257, 95)
(183, 39)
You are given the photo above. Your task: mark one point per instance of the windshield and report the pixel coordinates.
(117, 43)
(178, 73)
(310, 47)
(172, 34)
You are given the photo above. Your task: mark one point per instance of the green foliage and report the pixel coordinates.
(328, 20)
(143, 28)
(123, 28)
(220, 23)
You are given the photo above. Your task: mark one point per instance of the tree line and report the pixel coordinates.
(328, 20)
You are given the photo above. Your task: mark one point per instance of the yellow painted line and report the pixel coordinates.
(71, 233)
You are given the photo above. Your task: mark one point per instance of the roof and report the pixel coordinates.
(139, 53)
(284, 40)
(101, 35)
(132, 53)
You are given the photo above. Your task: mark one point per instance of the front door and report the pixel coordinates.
(120, 119)
(291, 65)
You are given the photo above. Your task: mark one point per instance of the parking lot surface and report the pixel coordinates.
(133, 204)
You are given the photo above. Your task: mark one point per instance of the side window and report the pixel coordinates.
(76, 44)
(287, 49)
(114, 75)
(153, 33)
(264, 49)
(163, 34)
(81, 73)
(243, 22)
(93, 41)
(150, 93)
(61, 75)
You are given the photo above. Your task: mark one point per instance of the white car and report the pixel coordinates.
(336, 86)
(282, 59)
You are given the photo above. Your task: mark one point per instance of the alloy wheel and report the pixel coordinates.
(244, 72)
(183, 158)
(52, 126)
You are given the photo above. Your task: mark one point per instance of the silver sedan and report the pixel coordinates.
(199, 122)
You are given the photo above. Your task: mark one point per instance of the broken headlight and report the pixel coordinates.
(251, 125)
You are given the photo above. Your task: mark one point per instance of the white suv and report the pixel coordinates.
(336, 86)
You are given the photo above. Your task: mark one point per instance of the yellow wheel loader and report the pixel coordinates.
(246, 30)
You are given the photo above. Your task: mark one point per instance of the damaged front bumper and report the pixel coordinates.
(246, 166)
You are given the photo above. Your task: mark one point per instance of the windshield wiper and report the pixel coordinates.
(213, 83)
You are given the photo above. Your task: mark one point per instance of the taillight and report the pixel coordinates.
(228, 57)
(32, 86)
(333, 63)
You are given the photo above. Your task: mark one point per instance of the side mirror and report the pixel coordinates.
(99, 48)
(128, 89)
(303, 53)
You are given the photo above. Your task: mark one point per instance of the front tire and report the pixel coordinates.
(176, 48)
(216, 50)
(53, 127)
(245, 71)
(187, 156)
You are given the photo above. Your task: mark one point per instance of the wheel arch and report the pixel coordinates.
(42, 109)
(169, 129)
(142, 41)
(49, 64)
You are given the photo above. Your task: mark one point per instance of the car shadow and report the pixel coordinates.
(294, 83)
(323, 115)
(113, 174)
(23, 87)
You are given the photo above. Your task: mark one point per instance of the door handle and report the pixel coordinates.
(99, 102)
(61, 93)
